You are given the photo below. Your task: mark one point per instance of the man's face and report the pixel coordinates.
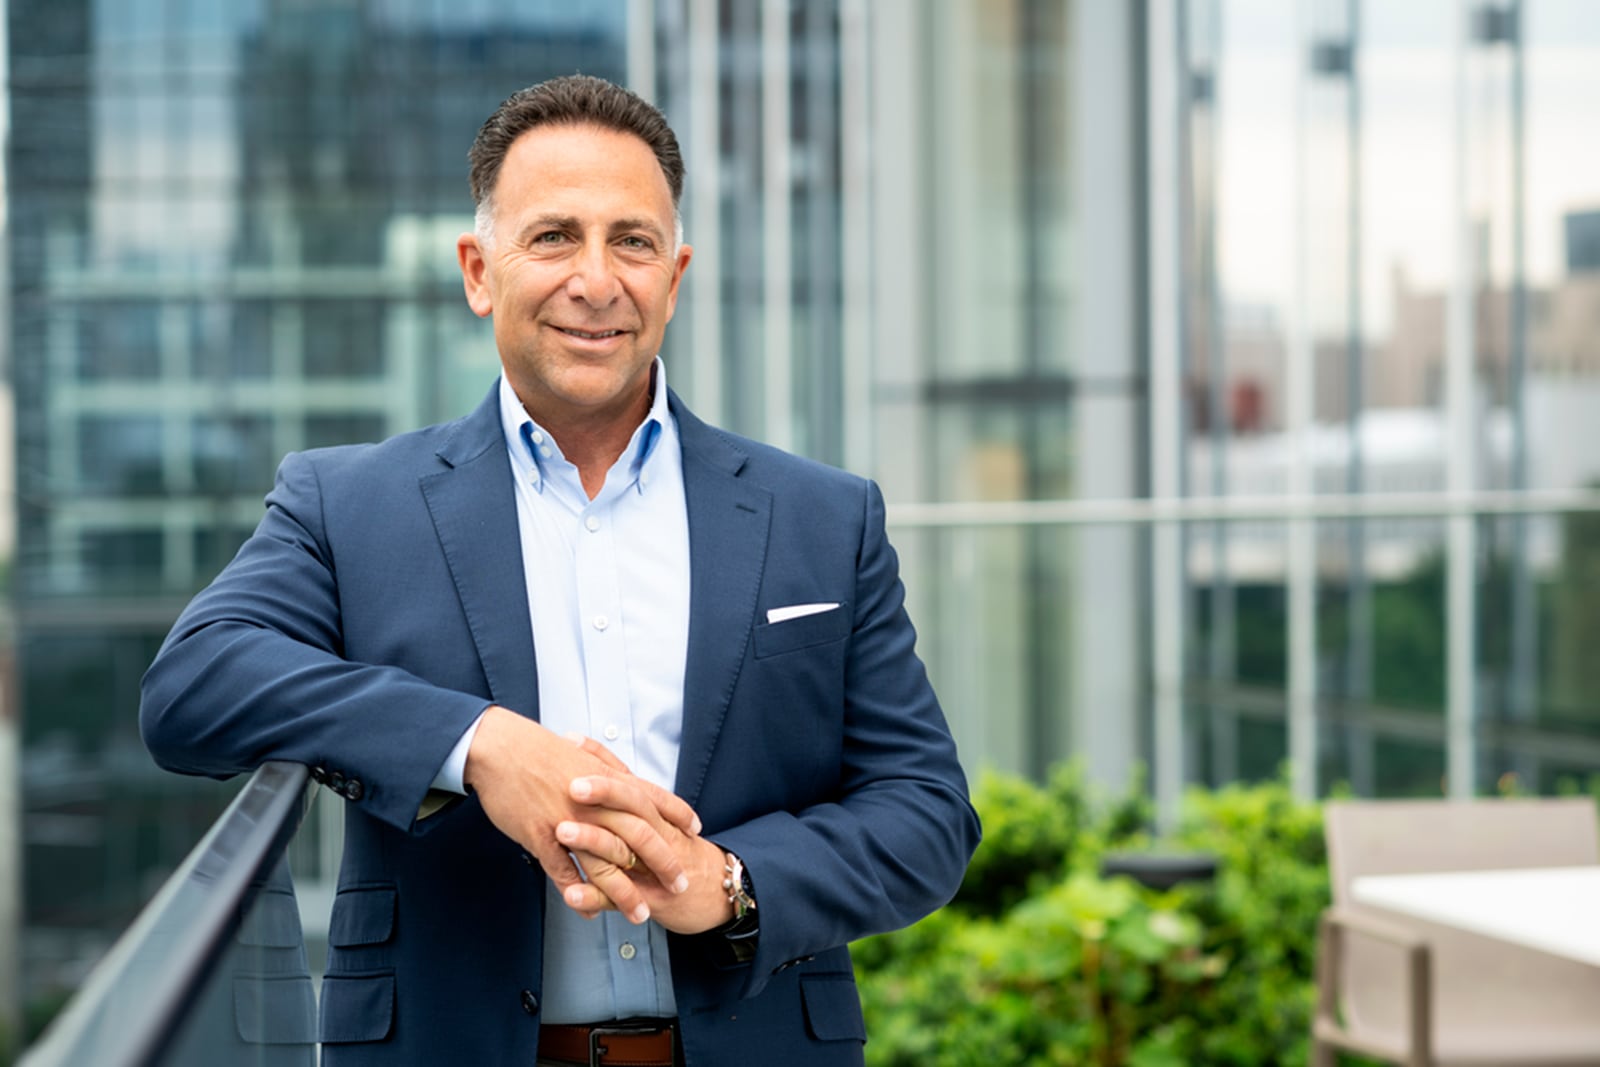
(580, 273)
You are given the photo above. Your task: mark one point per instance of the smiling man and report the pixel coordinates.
(581, 281)
(664, 674)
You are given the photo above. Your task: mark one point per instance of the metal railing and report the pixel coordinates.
(214, 968)
(1206, 509)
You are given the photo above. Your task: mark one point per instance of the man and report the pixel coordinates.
(664, 672)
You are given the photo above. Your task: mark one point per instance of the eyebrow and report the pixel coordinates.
(571, 222)
(546, 222)
(640, 224)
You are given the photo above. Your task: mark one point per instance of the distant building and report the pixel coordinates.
(232, 236)
(1583, 241)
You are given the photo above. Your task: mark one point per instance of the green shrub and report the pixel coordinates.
(1272, 884)
(1040, 961)
(1029, 838)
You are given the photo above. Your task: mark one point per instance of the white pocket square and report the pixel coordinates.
(797, 611)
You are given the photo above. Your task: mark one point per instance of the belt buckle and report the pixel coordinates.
(596, 1049)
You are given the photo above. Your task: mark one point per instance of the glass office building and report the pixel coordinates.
(1231, 367)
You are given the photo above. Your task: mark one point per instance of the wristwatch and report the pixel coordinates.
(736, 882)
(740, 932)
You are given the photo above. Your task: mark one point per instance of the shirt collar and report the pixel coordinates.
(533, 449)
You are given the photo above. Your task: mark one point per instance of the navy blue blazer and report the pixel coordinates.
(380, 606)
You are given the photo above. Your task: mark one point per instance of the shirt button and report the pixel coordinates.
(644, 479)
(627, 951)
(612, 733)
(530, 1003)
(601, 622)
(538, 437)
(592, 523)
(544, 451)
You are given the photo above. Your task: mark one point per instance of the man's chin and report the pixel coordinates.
(588, 390)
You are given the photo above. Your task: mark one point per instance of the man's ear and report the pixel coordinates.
(474, 274)
(681, 264)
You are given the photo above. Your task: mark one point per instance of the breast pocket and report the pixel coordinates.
(776, 638)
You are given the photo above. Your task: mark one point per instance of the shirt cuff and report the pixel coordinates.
(454, 770)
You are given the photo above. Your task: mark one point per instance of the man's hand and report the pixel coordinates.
(524, 777)
(600, 844)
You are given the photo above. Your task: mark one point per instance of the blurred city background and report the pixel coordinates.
(1231, 367)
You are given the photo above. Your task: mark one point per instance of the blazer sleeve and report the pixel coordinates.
(254, 670)
(894, 842)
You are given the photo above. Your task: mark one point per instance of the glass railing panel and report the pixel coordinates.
(1026, 630)
(258, 1005)
(1538, 626)
(215, 969)
(1038, 624)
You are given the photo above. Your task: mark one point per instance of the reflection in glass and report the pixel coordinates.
(259, 1005)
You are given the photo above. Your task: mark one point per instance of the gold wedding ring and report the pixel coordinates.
(633, 860)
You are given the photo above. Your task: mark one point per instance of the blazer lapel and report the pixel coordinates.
(474, 509)
(728, 523)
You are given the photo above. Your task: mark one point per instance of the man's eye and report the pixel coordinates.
(550, 237)
(636, 243)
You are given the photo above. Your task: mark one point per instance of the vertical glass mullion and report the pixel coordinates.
(856, 107)
(1461, 476)
(703, 153)
(1299, 382)
(1168, 110)
(1358, 607)
(1523, 682)
(777, 224)
(641, 45)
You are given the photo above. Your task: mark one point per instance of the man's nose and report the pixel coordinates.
(594, 277)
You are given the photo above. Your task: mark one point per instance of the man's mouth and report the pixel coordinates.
(589, 335)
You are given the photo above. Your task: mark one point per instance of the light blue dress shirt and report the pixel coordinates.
(608, 597)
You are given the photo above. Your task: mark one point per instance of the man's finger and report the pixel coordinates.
(638, 797)
(628, 844)
(586, 900)
(608, 887)
(558, 867)
(596, 843)
(612, 881)
(673, 808)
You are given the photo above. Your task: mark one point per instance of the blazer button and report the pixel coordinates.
(527, 857)
(336, 782)
(319, 775)
(530, 1003)
(354, 790)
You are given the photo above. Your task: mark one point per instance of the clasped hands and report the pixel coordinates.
(571, 801)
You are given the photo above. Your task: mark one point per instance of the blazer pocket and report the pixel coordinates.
(274, 1009)
(833, 1008)
(362, 916)
(357, 1007)
(772, 638)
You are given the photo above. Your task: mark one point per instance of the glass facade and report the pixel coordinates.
(1387, 292)
(1230, 366)
(231, 235)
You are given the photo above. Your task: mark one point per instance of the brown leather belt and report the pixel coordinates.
(642, 1043)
